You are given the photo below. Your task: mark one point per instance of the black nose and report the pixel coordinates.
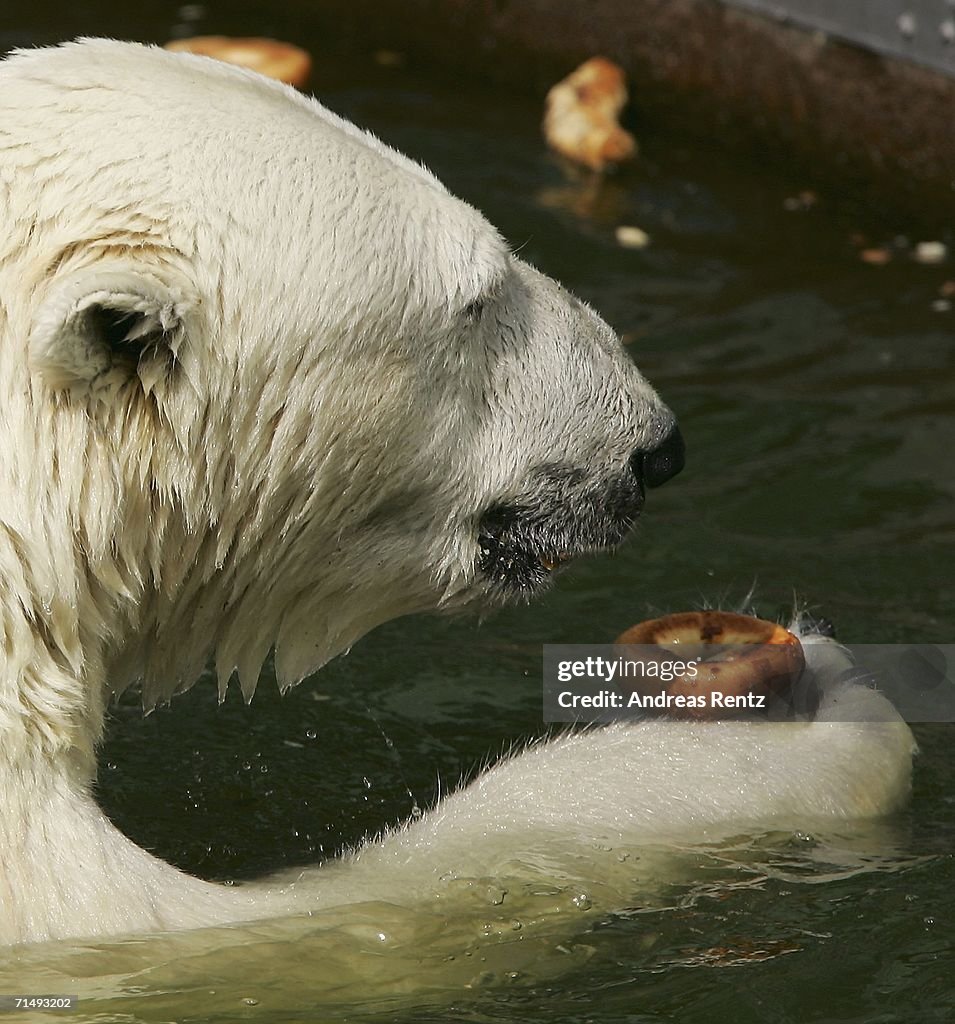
(660, 464)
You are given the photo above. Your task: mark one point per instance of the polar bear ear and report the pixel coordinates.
(95, 327)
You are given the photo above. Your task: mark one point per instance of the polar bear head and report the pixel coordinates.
(267, 382)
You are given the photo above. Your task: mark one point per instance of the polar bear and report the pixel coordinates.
(265, 382)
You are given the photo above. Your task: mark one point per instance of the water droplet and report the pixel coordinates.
(582, 901)
(516, 925)
(495, 896)
(249, 1001)
(907, 24)
(311, 733)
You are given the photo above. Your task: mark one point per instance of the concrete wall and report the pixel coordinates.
(918, 31)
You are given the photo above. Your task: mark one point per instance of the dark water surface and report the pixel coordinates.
(817, 397)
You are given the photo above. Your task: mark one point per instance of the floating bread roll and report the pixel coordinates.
(581, 116)
(283, 61)
(739, 663)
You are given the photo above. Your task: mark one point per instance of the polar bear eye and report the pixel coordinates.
(488, 288)
(473, 311)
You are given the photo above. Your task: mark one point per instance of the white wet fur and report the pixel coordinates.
(301, 451)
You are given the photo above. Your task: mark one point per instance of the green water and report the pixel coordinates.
(817, 398)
